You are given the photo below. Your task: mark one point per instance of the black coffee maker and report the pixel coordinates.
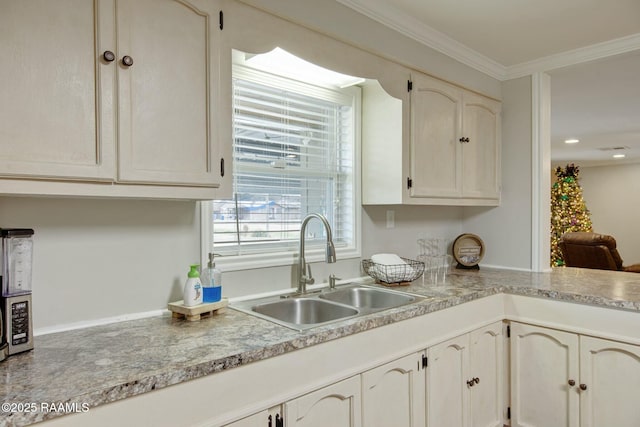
(15, 303)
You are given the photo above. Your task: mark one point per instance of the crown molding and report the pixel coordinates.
(576, 56)
(422, 33)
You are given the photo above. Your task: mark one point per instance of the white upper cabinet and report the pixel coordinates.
(439, 145)
(117, 91)
(481, 148)
(436, 118)
(54, 122)
(455, 144)
(165, 129)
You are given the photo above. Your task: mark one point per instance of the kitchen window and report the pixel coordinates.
(294, 148)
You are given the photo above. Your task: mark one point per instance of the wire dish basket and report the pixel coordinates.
(394, 275)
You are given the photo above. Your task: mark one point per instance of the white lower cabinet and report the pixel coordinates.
(465, 380)
(389, 395)
(565, 379)
(268, 418)
(456, 383)
(394, 394)
(611, 373)
(488, 397)
(543, 361)
(337, 405)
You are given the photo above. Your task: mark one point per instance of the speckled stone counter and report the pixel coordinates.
(94, 366)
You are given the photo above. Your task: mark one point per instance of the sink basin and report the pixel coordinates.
(369, 298)
(304, 311)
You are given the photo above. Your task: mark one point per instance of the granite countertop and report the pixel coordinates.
(102, 364)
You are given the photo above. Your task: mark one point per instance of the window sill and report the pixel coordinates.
(254, 261)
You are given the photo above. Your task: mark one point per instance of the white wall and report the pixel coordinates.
(611, 194)
(96, 258)
(411, 222)
(506, 230)
(101, 258)
(345, 24)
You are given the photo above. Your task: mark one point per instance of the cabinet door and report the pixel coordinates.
(337, 405)
(447, 396)
(611, 373)
(542, 362)
(486, 361)
(56, 93)
(436, 110)
(165, 96)
(267, 418)
(481, 149)
(393, 394)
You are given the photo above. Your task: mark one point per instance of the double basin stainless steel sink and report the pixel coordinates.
(312, 310)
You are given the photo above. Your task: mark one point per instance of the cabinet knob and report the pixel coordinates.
(476, 380)
(572, 383)
(464, 139)
(108, 56)
(127, 61)
(583, 386)
(470, 383)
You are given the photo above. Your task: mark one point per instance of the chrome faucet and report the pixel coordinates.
(304, 270)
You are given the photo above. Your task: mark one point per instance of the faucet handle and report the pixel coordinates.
(310, 279)
(332, 281)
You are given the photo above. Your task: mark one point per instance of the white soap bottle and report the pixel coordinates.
(192, 294)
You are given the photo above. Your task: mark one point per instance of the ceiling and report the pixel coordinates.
(591, 49)
(599, 104)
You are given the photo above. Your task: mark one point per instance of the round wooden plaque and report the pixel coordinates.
(468, 250)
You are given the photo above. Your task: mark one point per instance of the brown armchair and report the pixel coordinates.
(592, 250)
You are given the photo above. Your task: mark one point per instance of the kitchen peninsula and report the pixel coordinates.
(118, 370)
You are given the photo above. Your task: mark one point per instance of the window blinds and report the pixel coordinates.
(293, 155)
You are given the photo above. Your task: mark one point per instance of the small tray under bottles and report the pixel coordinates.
(195, 313)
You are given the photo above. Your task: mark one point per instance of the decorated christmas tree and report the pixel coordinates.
(568, 209)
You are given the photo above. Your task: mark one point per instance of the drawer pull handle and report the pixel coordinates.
(127, 61)
(108, 56)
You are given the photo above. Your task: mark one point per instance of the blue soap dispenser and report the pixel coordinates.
(192, 294)
(212, 282)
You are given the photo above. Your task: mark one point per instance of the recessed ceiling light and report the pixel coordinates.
(571, 141)
(618, 156)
